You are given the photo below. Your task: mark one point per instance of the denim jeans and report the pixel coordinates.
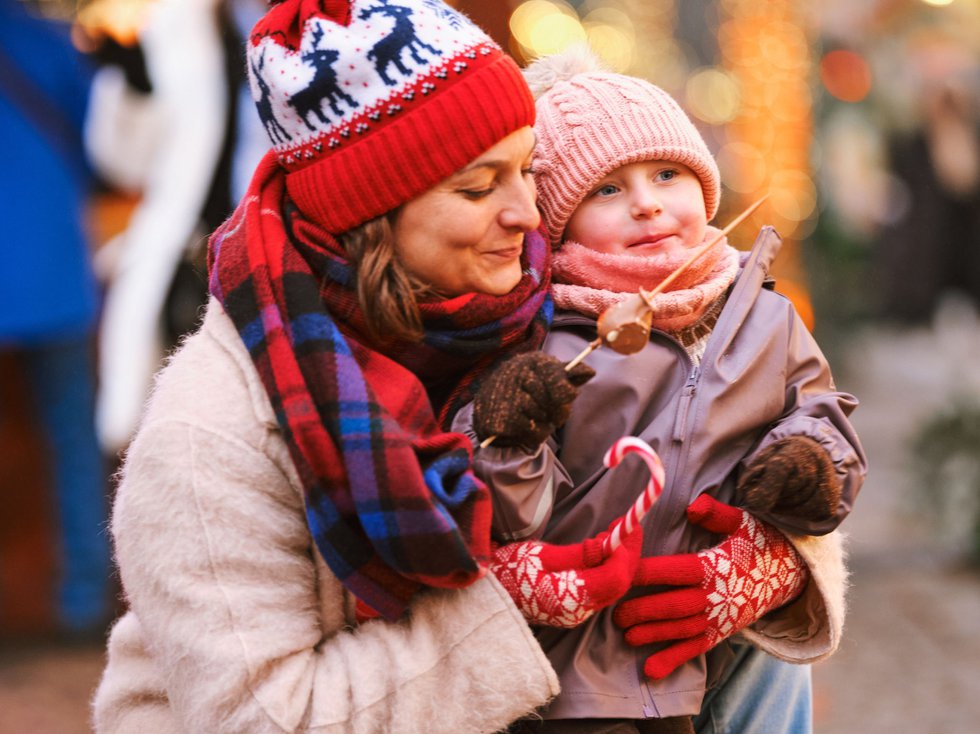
(758, 694)
(62, 379)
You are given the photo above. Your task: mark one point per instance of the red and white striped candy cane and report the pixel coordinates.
(650, 494)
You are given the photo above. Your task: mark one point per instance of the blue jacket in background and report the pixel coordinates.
(47, 288)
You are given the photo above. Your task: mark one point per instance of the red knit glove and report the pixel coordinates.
(564, 585)
(722, 590)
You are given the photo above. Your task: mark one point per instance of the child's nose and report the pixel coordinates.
(645, 203)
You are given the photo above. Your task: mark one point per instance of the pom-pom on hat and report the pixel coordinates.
(369, 103)
(592, 121)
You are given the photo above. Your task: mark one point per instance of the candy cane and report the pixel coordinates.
(629, 521)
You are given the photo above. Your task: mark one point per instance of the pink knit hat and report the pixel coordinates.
(369, 103)
(591, 122)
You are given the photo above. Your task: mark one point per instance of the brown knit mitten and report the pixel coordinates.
(526, 399)
(792, 476)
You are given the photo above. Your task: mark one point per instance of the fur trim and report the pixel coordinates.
(546, 71)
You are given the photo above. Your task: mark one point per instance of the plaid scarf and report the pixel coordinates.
(391, 501)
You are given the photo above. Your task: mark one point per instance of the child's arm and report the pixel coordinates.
(523, 484)
(805, 472)
(513, 414)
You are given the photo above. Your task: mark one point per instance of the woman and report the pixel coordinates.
(290, 474)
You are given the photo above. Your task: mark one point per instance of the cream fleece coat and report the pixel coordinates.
(237, 625)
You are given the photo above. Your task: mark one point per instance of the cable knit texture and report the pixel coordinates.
(589, 282)
(591, 122)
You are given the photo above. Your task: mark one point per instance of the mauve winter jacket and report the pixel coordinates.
(762, 377)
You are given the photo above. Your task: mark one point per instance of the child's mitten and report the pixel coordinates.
(564, 585)
(526, 399)
(720, 590)
(792, 476)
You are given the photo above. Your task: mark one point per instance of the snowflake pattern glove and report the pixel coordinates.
(562, 586)
(720, 590)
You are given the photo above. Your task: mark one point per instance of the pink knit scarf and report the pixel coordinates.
(589, 282)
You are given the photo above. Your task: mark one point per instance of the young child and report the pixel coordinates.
(731, 391)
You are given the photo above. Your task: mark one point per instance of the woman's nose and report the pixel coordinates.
(521, 211)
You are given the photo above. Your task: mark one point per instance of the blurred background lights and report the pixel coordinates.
(713, 96)
(544, 27)
(845, 75)
(939, 3)
(793, 195)
(612, 36)
(743, 167)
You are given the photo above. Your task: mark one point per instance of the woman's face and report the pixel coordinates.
(466, 234)
(647, 209)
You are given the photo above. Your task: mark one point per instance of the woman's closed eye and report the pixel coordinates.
(476, 194)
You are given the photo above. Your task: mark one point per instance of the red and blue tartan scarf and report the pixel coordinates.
(391, 500)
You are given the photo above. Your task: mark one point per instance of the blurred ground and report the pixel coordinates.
(910, 660)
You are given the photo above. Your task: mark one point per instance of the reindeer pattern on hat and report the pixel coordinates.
(341, 78)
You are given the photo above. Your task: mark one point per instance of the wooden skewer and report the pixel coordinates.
(648, 295)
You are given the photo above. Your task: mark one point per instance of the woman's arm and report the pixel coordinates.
(247, 632)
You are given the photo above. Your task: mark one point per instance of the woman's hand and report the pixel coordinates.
(526, 399)
(720, 590)
(564, 585)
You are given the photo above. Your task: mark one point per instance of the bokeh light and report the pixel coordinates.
(545, 27)
(713, 96)
(743, 167)
(845, 75)
(612, 35)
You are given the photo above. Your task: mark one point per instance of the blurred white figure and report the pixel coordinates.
(191, 140)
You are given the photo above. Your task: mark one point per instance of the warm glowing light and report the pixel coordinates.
(612, 36)
(554, 34)
(846, 75)
(713, 96)
(793, 195)
(938, 3)
(611, 45)
(120, 19)
(743, 167)
(546, 27)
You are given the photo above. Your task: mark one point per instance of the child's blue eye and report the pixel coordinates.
(606, 190)
(667, 174)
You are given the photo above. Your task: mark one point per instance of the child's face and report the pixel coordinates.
(648, 209)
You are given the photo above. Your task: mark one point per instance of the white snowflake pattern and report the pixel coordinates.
(558, 599)
(761, 572)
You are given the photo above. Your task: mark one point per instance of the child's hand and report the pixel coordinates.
(526, 399)
(564, 585)
(716, 593)
(792, 476)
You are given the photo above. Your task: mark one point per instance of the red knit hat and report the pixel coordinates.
(369, 103)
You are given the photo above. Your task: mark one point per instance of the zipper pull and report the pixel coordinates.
(680, 422)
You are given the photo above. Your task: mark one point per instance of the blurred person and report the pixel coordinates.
(188, 142)
(729, 387)
(294, 476)
(48, 294)
(931, 246)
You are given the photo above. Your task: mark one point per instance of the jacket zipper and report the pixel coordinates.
(680, 422)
